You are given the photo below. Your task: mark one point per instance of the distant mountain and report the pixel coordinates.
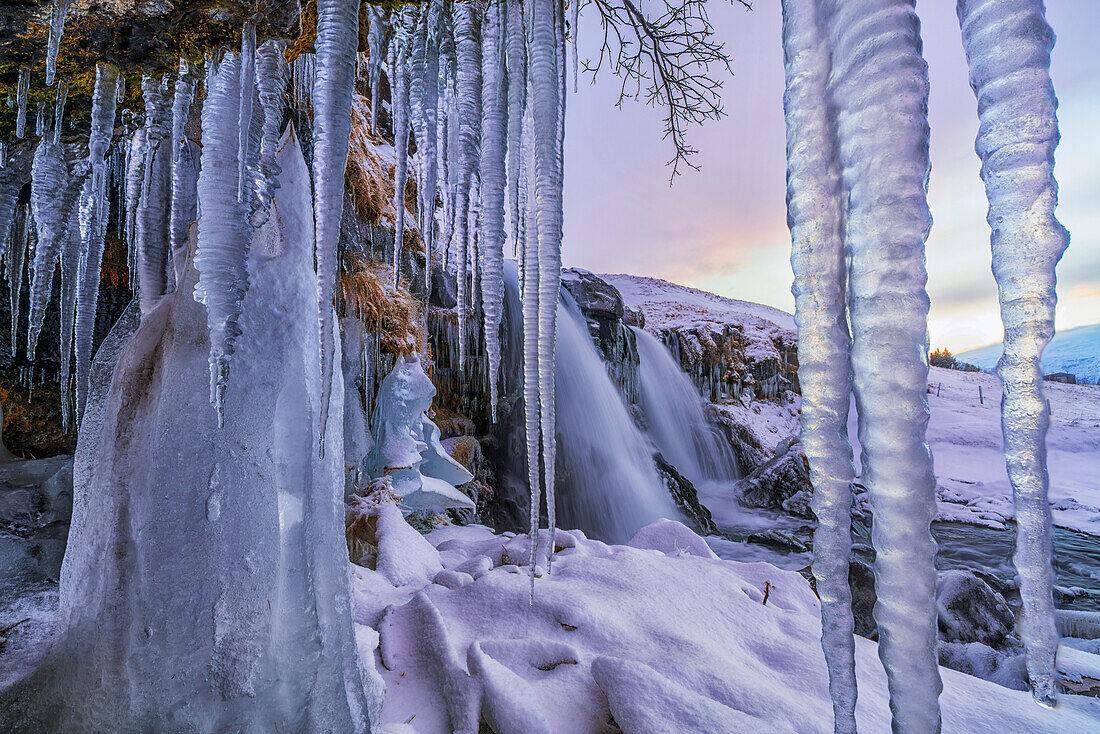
(1076, 351)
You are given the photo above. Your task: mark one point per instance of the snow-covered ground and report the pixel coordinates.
(1076, 351)
(657, 636)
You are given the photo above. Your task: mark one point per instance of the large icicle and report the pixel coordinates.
(94, 212)
(879, 87)
(545, 100)
(57, 27)
(406, 27)
(494, 119)
(14, 266)
(467, 33)
(378, 39)
(22, 88)
(70, 274)
(152, 235)
(60, 96)
(337, 41)
(1008, 45)
(184, 170)
(247, 86)
(529, 280)
(271, 75)
(427, 127)
(824, 369)
(54, 188)
(516, 50)
(223, 239)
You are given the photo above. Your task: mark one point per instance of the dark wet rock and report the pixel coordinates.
(799, 504)
(861, 580)
(634, 317)
(969, 610)
(774, 483)
(596, 297)
(782, 540)
(603, 309)
(685, 495)
(444, 288)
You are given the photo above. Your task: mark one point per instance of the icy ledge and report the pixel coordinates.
(659, 635)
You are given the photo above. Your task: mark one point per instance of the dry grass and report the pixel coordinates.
(367, 292)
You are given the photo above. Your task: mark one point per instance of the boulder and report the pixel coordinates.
(685, 495)
(444, 288)
(778, 480)
(596, 297)
(970, 610)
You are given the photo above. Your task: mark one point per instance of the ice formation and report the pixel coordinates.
(248, 91)
(515, 53)
(494, 120)
(1008, 45)
(184, 170)
(406, 22)
(531, 386)
(271, 73)
(824, 368)
(224, 235)
(153, 212)
(378, 38)
(407, 449)
(57, 27)
(337, 40)
(22, 88)
(93, 225)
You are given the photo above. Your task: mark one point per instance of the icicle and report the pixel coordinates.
(429, 141)
(94, 212)
(467, 32)
(70, 263)
(247, 85)
(57, 27)
(545, 100)
(494, 119)
(23, 86)
(337, 40)
(378, 37)
(400, 104)
(817, 259)
(54, 188)
(152, 235)
(120, 90)
(15, 266)
(881, 98)
(184, 172)
(529, 281)
(59, 110)
(40, 120)
(517, 87)
(271, 73)
(10, 184)
(223, 235)
(574, 18)
(1008, 45)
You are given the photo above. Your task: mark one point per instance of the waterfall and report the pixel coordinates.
(607, 482)
(675, 419)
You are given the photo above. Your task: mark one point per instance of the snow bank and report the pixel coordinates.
(655, 642)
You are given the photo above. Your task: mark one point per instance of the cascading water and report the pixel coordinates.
(675, 419)
(608, 485)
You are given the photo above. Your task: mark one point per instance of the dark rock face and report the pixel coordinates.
(775, 483)
(36, 505)
(603, 309)
(685, 495)
(970, 610)
(444, 288)
(861, 580)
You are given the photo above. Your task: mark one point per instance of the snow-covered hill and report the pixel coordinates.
(1076, 351)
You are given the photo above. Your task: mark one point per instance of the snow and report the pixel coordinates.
(1076, 351)
(659, 643)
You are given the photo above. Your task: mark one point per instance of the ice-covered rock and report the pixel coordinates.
(671, 538)
(781, 478)
(970, 610)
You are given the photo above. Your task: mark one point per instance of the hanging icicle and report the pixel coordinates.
(817, 259)
(223, 235)
(337, 41)
(57, 28)
(406, 25)
(494, 120)
(271, 73)
(153, 212)
(378, 39)
(247, 86)
(22, 88)
(529, 281)
(184, 172)
(94, 211)
(1008, 45)
(881, 103)
(515, 44)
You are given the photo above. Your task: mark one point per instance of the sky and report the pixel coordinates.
(723, 228)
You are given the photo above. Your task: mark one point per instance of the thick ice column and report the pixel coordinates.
(184, 171)
(467, 31)
(1008, 45)
(378, 39)
(879, 87)
(516, 57)
(337, 41)
(224, 235)
(406, 25)
(271, 74)
(494, 121)
(529, 280)
(94, 212)
(153, 212)
(545, 100)
(824, 368)
(70, 262)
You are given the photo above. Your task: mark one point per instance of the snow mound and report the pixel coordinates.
(671, 538)
(651, 642)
